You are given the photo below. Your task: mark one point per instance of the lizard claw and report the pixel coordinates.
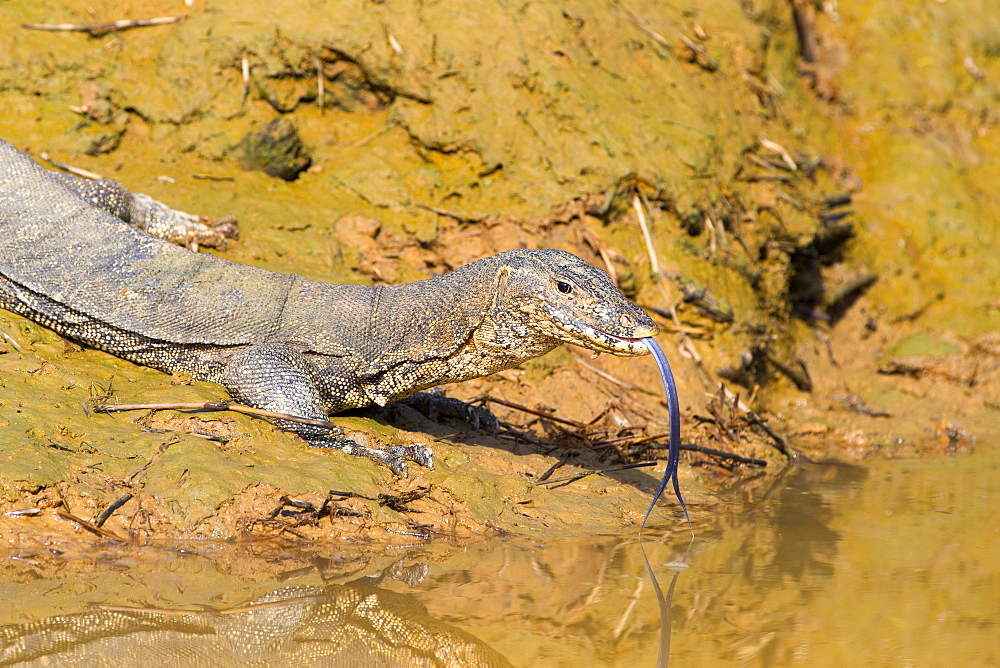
(419, 454)
(392, 461)
(394, 457)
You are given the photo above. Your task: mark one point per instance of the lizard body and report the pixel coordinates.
(278, 341)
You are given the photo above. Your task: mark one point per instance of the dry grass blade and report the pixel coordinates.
(781, 151)
(592, 240)
(640, 213)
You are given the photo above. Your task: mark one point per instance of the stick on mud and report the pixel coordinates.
(101, 29)
(213, 406)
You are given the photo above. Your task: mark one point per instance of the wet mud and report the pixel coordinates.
(888, 563)
(813, 234)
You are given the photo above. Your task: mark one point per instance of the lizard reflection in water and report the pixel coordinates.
(353, 624)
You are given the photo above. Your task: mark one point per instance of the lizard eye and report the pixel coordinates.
(563, 287)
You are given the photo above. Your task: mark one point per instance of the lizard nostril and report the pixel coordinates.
(627, 320)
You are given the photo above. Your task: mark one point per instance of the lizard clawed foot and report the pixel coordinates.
(227, 227)
(394, 457)
(434, 405)
(419, 454)
(183, 228)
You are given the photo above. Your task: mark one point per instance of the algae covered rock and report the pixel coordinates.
(275, 149)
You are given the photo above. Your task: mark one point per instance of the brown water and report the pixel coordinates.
(891, 564)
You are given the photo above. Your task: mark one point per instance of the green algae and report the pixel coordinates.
(923, 344)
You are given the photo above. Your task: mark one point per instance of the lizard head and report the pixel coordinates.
(567, 299)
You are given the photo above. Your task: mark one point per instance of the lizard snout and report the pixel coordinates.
(639, 329)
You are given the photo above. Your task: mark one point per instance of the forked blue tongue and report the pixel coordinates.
(674, 411)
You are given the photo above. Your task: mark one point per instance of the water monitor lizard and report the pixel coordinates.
(278, 341)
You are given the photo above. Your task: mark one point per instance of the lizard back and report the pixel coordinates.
(55, 245)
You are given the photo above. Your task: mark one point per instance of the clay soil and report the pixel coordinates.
(820, 218)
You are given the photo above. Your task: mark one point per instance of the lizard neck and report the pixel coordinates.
(450, 328)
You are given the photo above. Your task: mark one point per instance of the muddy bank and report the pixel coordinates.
(791, 567)
(821, 233)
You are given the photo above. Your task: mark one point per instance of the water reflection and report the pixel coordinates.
(889, 564)
(353, 624)
(664, 603)
(795, 515)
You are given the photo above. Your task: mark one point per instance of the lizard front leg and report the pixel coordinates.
(276, 377)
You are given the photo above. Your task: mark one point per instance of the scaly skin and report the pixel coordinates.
(278, 341)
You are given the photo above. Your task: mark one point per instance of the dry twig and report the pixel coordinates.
(89, 526)
(213, 406)
(701, 57)
(101, 29)
(75, 171)
(450, 214)
(115, 505)
(578, 476)
(607, 376)
(534, 411)
(802, 16)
